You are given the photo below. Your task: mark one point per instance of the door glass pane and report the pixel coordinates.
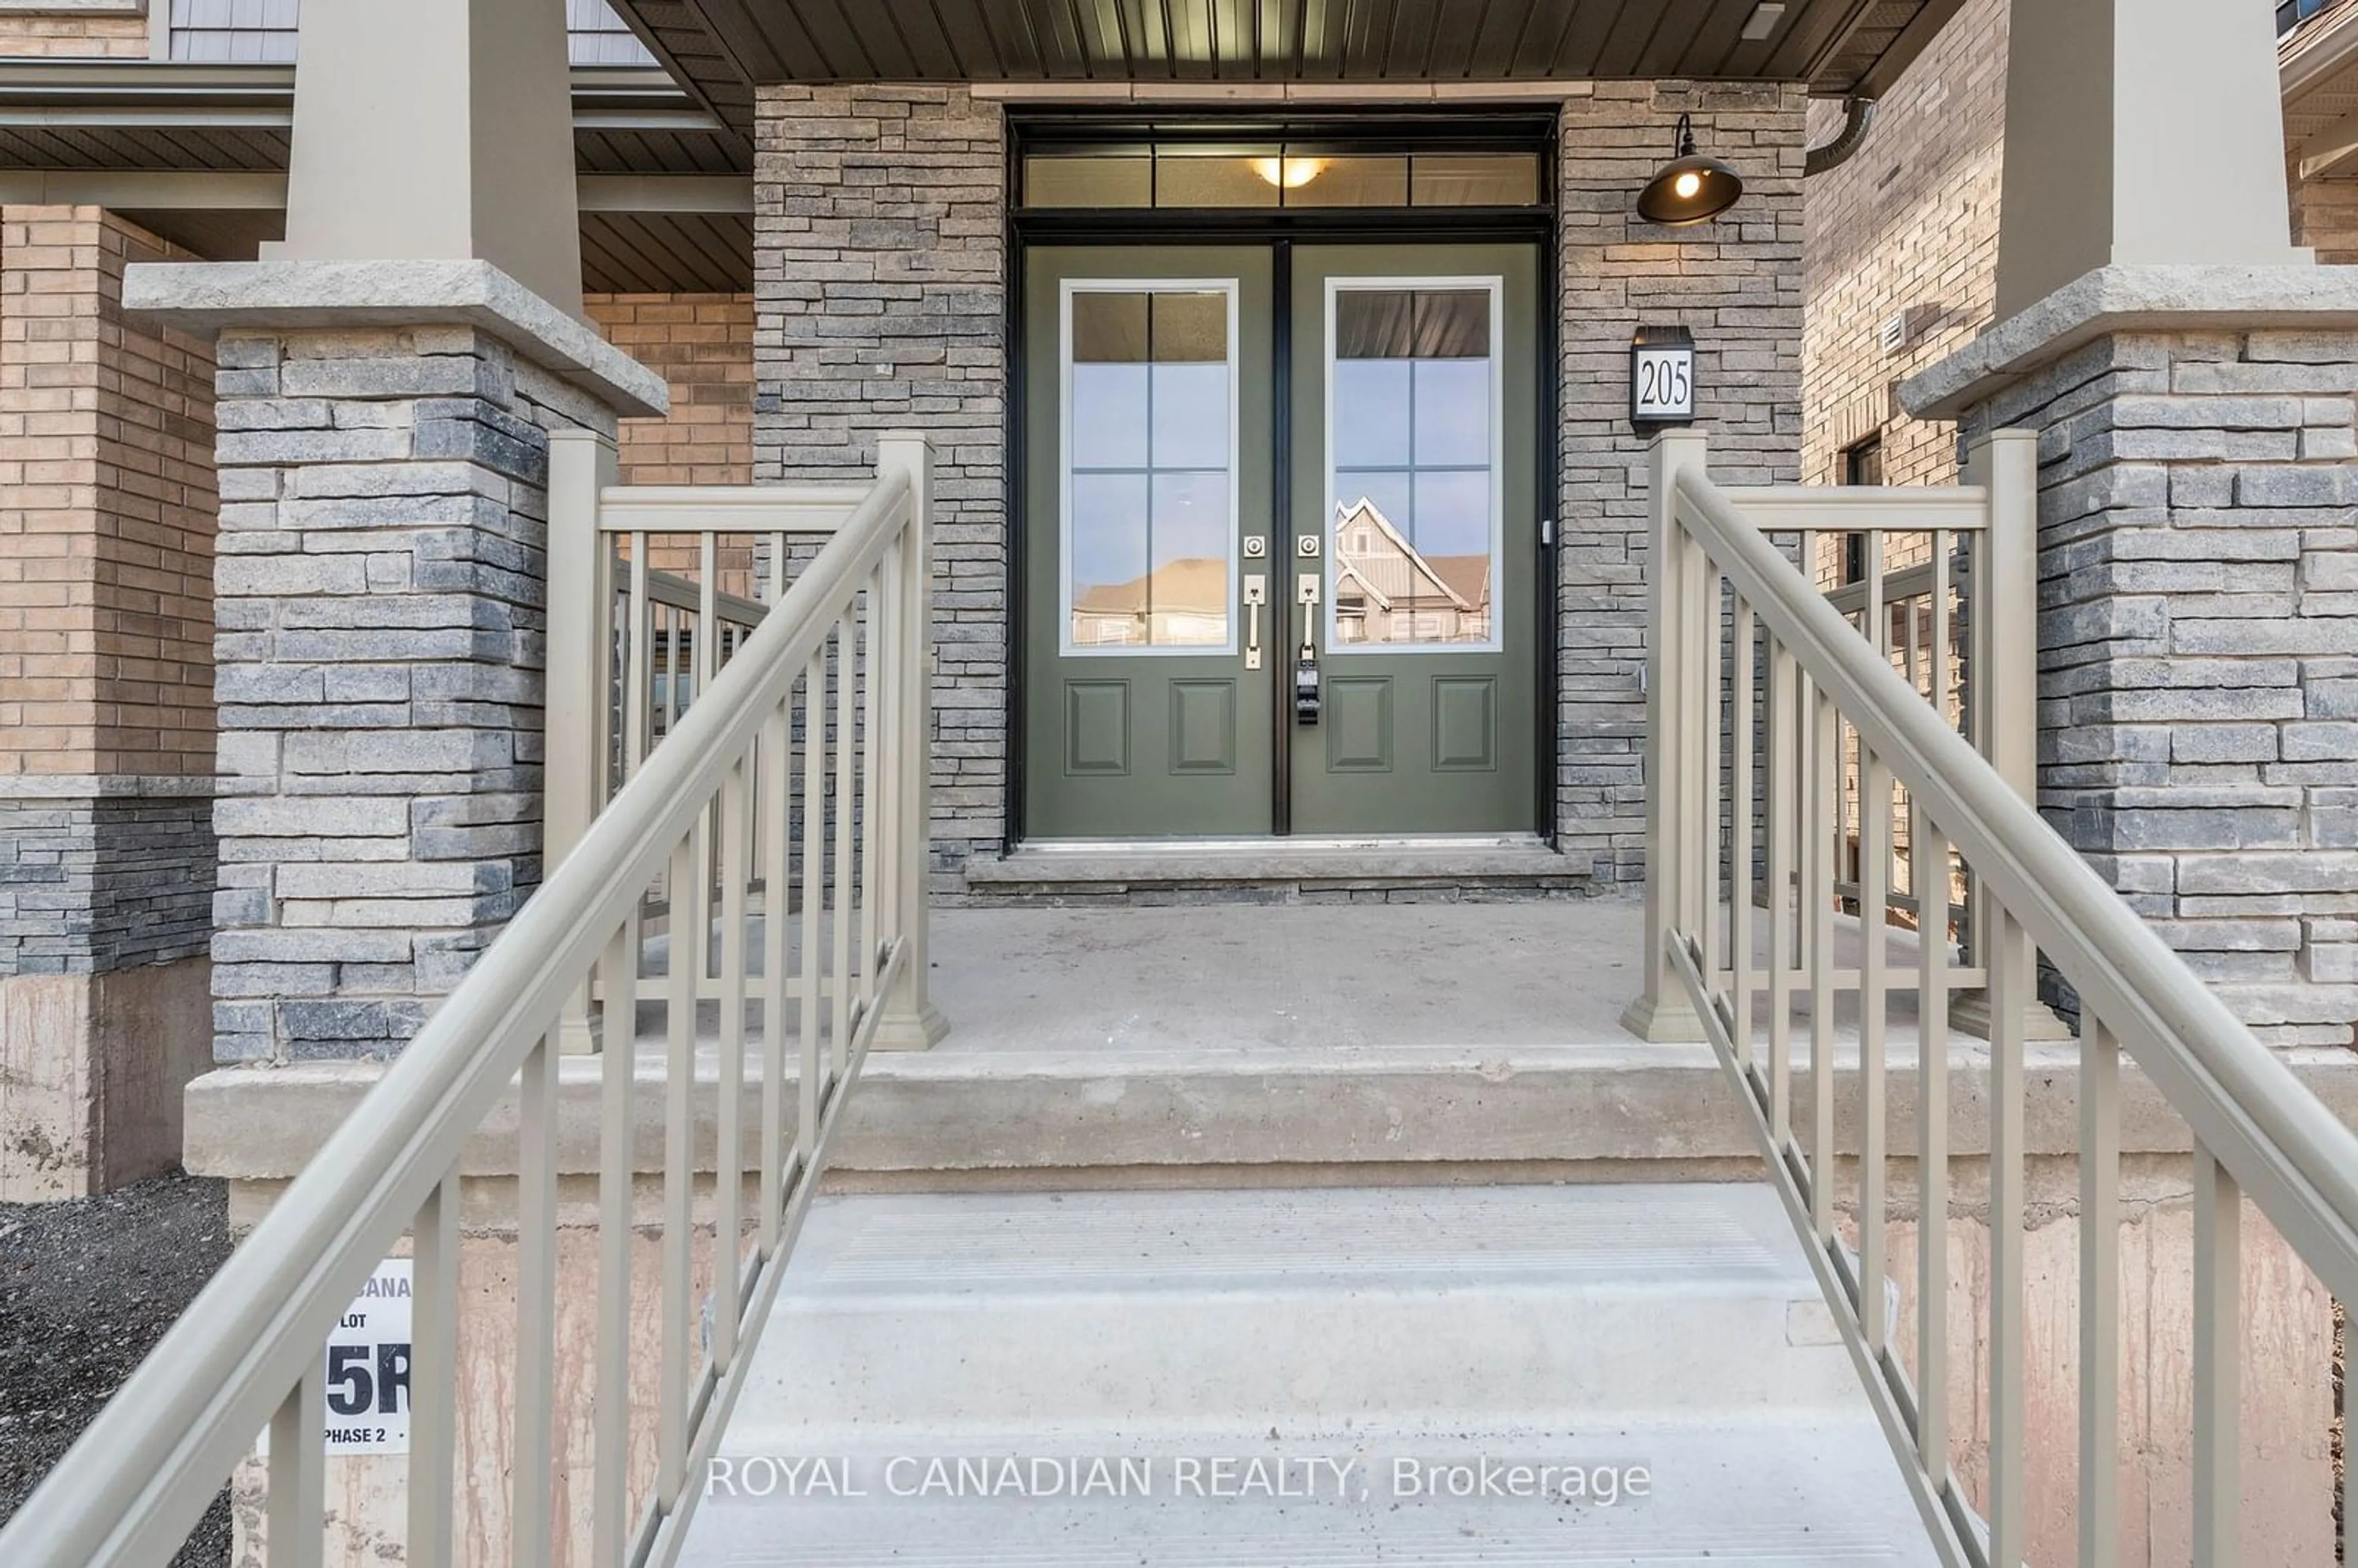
(1412, 498)
(1149, 467)
(1089, 181)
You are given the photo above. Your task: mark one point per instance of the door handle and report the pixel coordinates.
(1256, 595)
(1305, 662)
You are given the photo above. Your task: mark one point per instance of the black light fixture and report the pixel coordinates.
(1690, 188)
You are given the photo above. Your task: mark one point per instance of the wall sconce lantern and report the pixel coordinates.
(1690, 188)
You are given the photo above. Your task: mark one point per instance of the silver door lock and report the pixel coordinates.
(1256, 548)
(1306, 546)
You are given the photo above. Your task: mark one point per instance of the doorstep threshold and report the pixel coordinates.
(1133, 861)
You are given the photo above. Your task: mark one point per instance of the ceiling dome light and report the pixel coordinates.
(1690, 189)
(1289, 174)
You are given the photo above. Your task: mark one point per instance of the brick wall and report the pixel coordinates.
(107, 852)
(880, 234)
(703, 345)
(2325, 216)
(107, 516)
(1736, 285)
(75, 37)
(1908, 224)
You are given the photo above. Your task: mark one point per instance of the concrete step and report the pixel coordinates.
(939, 1312)
(1470, 869)
(1347, 1339)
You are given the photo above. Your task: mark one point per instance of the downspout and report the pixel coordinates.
(1858, 116)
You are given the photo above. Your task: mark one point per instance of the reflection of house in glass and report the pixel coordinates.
(1387, 591)
(1184, 604)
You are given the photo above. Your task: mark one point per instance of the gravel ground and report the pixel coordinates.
(86, 1288)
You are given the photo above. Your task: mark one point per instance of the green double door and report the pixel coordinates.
(1281, 553)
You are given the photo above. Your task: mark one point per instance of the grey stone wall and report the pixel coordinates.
(379, 595)
(1736, 285)
(99, 882)
(2198, 630)
(880, 257)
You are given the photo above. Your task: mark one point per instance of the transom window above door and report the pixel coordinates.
(1412, 462)
(1150, 491)
(1287, 175)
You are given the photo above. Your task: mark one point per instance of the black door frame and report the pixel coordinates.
(1083, 128)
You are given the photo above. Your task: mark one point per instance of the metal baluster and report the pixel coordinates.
(1823, 826)
(1929, 846)
(839, 843)
(814, 881)
(870, 840)
(1875, 935)
(777, 760)
(609, 1491)
(2218, 1362)
(638, 665)
(534, 1405)
(1704, 878)
(676, 1369)
(1784, 805)
(1739, 904)
(705, 648)
(2009, 961)
(728, 1120)
(433, 1375)
(2100, 1293)
(296, 1526)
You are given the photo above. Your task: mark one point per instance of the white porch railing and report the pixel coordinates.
(632, 644)
(816, 727)
(1764, 679)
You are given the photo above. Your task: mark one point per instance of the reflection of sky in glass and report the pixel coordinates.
(1108, 417)
(1453, 412)
(1191, 417)
(1109, 531)
(1453, 513)
(1191, 517)
(1371, 409)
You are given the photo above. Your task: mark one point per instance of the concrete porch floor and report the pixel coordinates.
(1267, 982)
(1247, 1044)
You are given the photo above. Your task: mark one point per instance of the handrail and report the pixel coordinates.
(2298, 1158)
(1771, 697)
(140, 1476)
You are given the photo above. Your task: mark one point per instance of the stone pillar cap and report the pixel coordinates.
(205, 298)
(2131, 299)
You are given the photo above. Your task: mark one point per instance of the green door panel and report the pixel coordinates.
(1140, 717)
(1420, 487)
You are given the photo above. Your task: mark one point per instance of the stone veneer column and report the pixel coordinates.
(1736, 285)
(106, 846)
(2197, 615)
(880, 217)
(381, 615)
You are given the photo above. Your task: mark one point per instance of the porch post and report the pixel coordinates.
(390, 380)
(2139, 132)
(1661, 1011)
(910, 1022)
(2192, 378)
